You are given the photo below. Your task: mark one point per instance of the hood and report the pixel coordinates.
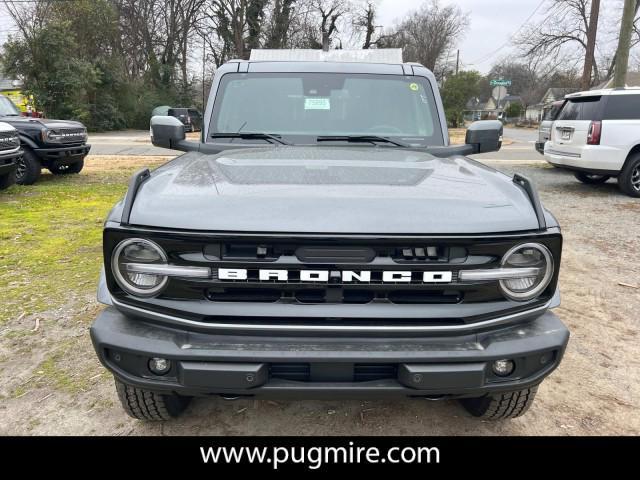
(44, 122)
(366, 190)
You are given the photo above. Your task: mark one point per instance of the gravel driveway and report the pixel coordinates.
(595, 391)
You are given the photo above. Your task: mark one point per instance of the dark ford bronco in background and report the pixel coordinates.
(324, 240)
(58, 145)
(10, 153)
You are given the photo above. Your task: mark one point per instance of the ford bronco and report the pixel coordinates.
(58, 145)
(324, 240)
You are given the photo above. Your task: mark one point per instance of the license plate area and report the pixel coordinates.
(565, 133)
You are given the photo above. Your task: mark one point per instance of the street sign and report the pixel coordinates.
(500, 83)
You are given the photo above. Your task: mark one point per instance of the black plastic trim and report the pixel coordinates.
(136, 181)
(532, 193)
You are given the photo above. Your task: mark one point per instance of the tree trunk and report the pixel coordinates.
(592, 30)
(622, 54)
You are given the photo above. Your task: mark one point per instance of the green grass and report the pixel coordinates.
(51, 235)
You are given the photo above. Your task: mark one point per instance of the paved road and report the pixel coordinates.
(136, 142)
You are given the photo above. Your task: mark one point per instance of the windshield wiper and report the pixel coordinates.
(252, 136)
(361, 138)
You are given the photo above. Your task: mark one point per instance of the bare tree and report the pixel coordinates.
(364, 20)
(561, 34)
(427, 34)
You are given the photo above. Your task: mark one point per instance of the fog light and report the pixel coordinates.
(159, 366)
(504, 367)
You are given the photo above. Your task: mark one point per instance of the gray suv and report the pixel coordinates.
(324, 240)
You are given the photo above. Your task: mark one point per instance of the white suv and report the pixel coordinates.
(597, 134)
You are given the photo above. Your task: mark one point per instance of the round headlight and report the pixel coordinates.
(137, 251)
(537, 259)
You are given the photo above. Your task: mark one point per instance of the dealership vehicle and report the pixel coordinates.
(58, 145)
(597, 134)
(190, 118)
(544, 131)
(324, 240)
(10, 153)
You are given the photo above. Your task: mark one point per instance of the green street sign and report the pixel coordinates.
(500, 83)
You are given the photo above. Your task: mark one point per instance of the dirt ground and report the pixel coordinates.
(52, 383)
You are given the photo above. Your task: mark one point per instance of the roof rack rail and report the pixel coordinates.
(134, 185)
(532, 193)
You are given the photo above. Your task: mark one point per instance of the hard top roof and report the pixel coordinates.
(375, 55)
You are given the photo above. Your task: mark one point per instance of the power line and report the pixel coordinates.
(493, 52)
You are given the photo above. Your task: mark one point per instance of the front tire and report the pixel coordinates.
(629, 179)
(147, 405)
(75, 167)
(500, 406)
(29, 168)
(591, 178)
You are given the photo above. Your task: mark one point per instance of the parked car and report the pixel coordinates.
(58, 145)
(544, 130)
(597, 135)
(191, 118)
(10, 153)
(326, 240)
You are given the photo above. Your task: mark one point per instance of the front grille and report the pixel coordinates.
(72, 135)
(251, 300)
(9, 141)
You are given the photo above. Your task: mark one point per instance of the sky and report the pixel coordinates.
(493, 22)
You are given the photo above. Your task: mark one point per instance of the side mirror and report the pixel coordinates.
(485, 136)
(168, 132)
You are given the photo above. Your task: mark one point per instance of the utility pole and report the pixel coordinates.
(592, 30)
(204, 65)
(457, 61)
(624, 41)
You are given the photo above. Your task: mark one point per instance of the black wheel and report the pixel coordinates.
(75, 167)
(7, 180)
(629, 179)
(500, 406)
(147, 405)
(29, 168)
(591, 178)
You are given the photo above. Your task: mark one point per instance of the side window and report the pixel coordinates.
(622, 107)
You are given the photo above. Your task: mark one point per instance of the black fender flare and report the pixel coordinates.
(27, 142)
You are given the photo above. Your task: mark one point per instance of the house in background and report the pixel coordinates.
(493, 108)
(535, 113)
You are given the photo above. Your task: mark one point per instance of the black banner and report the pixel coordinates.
(212, 455)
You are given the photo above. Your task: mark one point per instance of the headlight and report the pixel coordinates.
(538, 260)
(51, 136)
(136, 252)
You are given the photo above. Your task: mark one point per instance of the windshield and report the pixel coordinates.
(303, 106)
(7, 108)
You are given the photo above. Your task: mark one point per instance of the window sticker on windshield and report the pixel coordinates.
(414, 87)
(316, 103)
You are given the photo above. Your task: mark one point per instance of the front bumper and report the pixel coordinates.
(327, 367)
(8, 161)
(63, 155)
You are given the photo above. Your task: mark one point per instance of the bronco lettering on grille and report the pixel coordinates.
(347, 276)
